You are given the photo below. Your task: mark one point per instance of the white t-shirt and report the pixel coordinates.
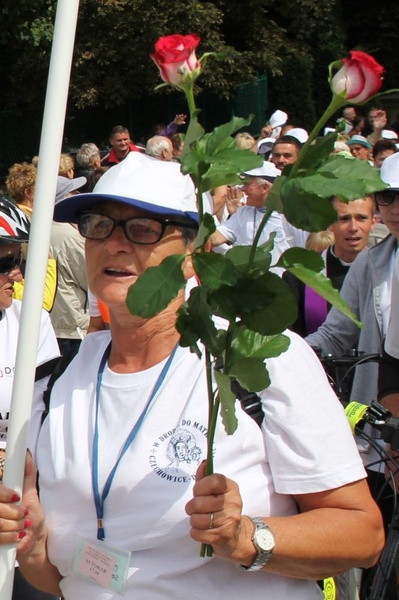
(48, 349)
(305, 446)
(392, 339)
(241, 228)
(295, 237)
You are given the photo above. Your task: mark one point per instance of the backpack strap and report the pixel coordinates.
(250, 401)
(46, 368)
(60, 366)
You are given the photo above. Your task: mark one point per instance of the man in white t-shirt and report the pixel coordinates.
(124, 498)
(242, 227)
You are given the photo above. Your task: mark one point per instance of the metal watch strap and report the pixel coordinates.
(262, 556)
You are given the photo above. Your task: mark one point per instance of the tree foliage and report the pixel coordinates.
(291, 41)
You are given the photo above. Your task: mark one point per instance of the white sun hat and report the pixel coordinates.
(389, 171)
(152, 185)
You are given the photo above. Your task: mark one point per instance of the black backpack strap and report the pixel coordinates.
(60, 366)
(46, 368)
(250, 402)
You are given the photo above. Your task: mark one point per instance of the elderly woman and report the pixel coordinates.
(123, 497)
(14, 231)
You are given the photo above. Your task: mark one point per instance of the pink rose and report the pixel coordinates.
(359, 78)
(175, 57)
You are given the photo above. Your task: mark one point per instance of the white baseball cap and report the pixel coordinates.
(267, 171)
(300, 134)
(278, 118)
(389, 171)
(65, 186)
(155, 186)
(265, 145)
(388, 134)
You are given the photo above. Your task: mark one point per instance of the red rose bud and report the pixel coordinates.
(175, 58)
(359, 78)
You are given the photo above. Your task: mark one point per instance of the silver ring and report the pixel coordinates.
(211, 521)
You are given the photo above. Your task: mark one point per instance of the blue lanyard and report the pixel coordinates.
(100, 499)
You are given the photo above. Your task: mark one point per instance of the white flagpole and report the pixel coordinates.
(28, 338)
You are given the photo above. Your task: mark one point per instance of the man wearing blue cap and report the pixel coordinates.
(360, 147)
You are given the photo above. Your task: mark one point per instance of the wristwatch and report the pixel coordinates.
(264, 543)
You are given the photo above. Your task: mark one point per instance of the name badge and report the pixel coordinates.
(99, 562)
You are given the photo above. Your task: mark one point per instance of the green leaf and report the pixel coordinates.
(227, 402)
(195, 322)
(299, 256)
(206, 228)
(239, 256)
(214, 270)
(317, 152)
(274, 199)
(251, 374)
(352, 170)
(276, 313)
(250, 344)
(225, 167)
(305, 210)
(157, 287)
(264, 303)
(323, 286)
(194, 132)
(305, 197)
(216, 140)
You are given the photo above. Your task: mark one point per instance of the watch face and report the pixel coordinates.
(264, 539)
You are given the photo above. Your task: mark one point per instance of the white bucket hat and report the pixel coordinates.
(155, 186)
(389, 171)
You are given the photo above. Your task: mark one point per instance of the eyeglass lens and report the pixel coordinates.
(386, 197)
(9, 263)
(137, 229)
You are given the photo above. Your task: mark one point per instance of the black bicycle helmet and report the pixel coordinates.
(14, 224)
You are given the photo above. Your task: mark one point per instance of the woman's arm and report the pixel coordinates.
(335, 530)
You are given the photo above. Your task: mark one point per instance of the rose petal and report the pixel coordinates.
(372, 84)
(359, 78)
(355, 80)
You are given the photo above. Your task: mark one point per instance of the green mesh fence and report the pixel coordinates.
(19, 138)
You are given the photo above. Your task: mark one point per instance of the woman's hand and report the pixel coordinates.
(22, 521)
(216, 519)
(13, 517)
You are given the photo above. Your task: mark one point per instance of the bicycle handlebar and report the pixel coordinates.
(351, 358)
(377, 416)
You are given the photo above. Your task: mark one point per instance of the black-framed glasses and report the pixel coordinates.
(9, 263)
(140, 230)
(386, 197)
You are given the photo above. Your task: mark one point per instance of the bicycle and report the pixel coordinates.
(381, 582)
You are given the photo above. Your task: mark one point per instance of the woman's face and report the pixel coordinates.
(115, 263)
(9, 272)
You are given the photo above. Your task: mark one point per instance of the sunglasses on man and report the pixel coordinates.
(386, 197)
(9, 263)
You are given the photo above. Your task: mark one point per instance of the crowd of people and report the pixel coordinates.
(115, 498)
